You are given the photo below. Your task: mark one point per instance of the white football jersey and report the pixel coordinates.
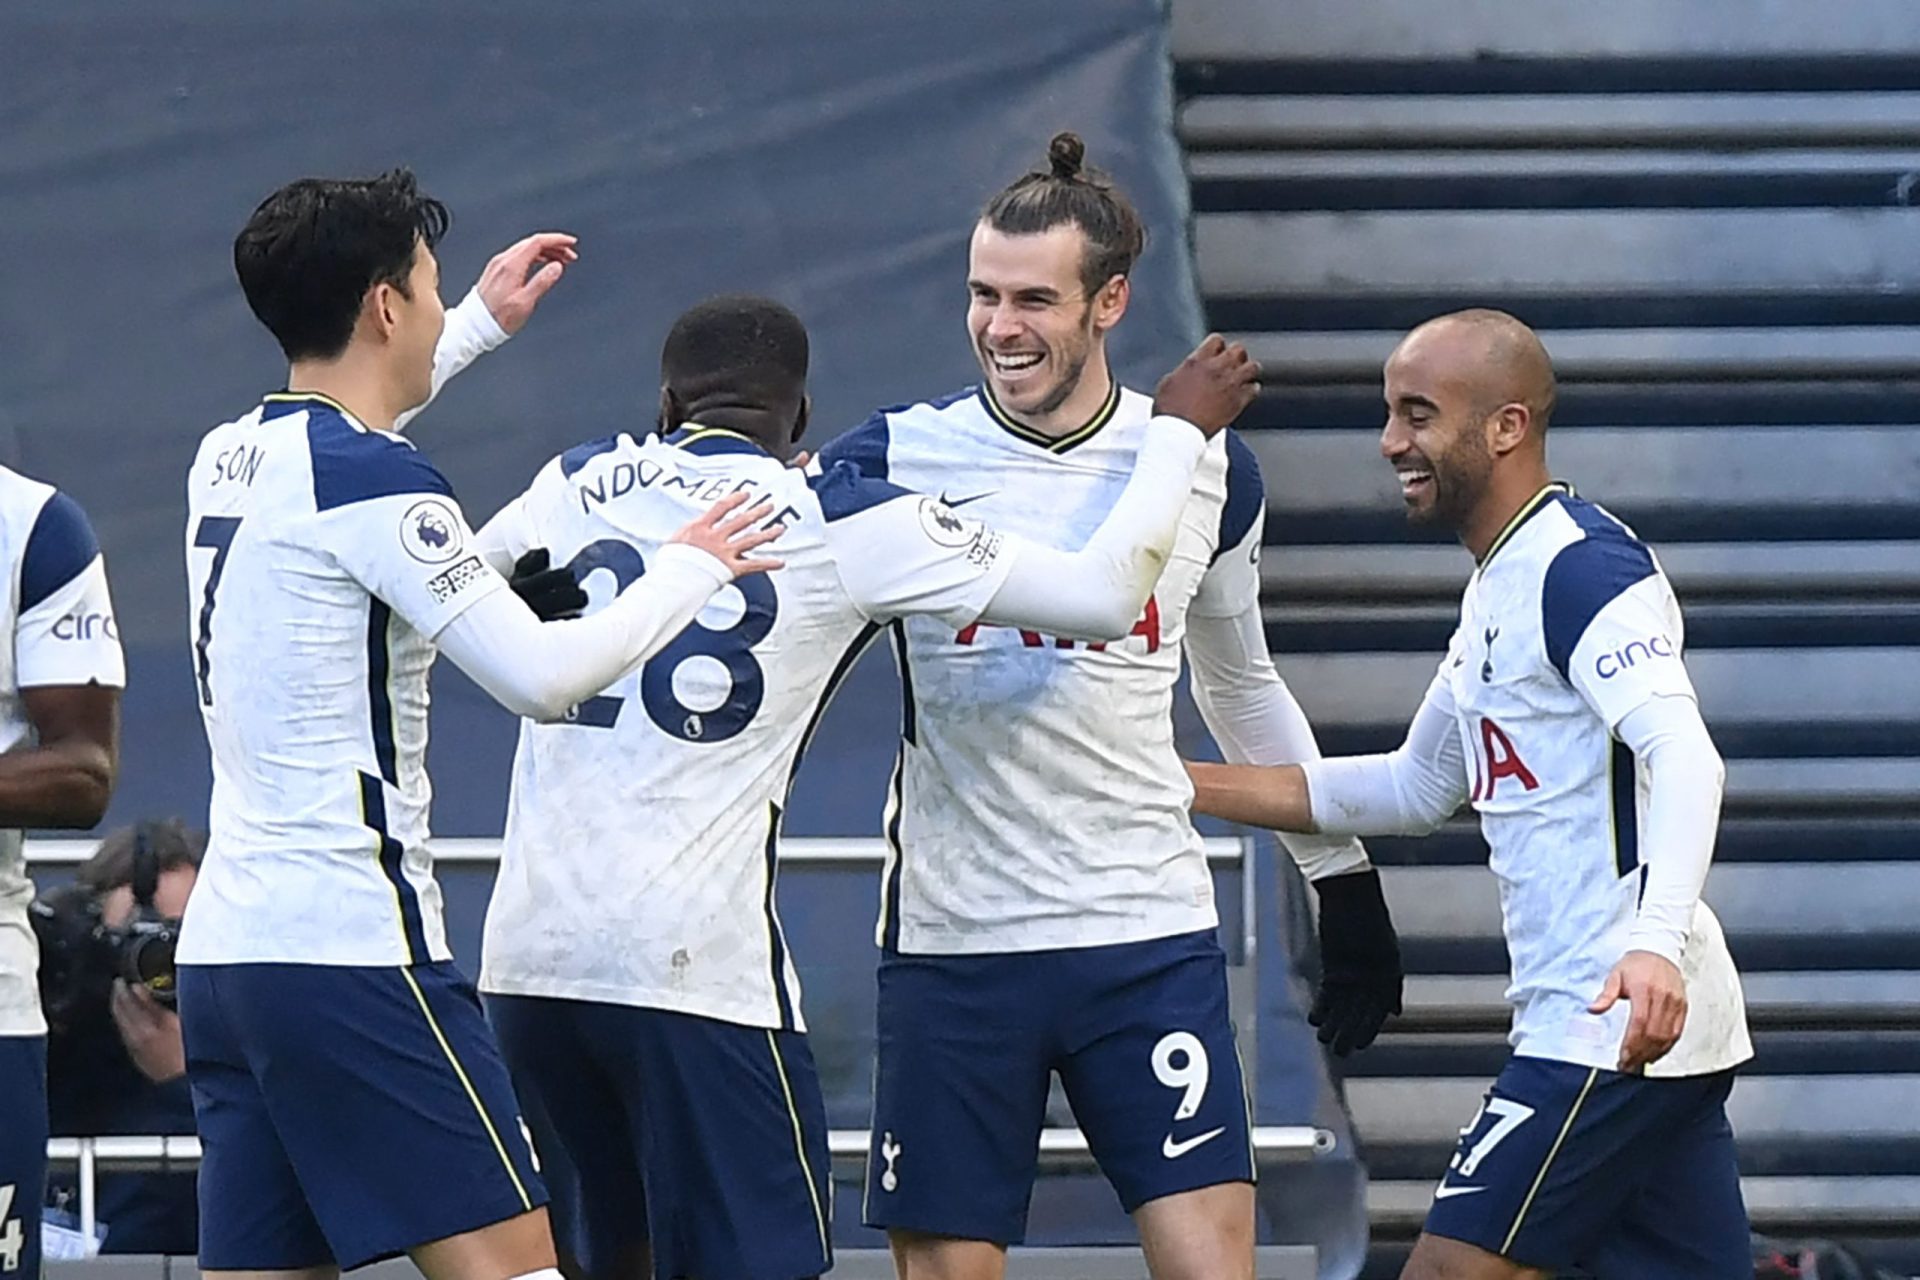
(322, 560)
(61, 620)
(1038, 801)
(1567, 625)
(638, 866)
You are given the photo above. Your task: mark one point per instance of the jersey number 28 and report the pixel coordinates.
(731, 647)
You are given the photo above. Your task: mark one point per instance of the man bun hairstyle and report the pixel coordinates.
(1069, 190)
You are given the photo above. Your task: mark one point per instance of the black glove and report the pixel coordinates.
(1360, 974)
(550, 593)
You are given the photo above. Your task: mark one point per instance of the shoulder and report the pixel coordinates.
(60, 544)
(868, 445)
(1246, 494)
(1599, 562)
(843, 488)
(352, 464)
(576, 459)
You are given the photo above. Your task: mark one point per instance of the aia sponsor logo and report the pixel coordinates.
(1147, 627)
(1495, 757)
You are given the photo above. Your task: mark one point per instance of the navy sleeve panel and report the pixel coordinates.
(864, 447)
(1583, 579)
(843, 491)
(59, 546)
(1246, 495)
(352, 466)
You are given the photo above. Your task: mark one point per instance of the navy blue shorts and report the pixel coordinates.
(1142, 1039)
(716, 1130)
(346, 1114)
(23, 1152)
(1629, 1177)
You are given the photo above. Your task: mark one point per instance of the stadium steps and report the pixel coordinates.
(1709, 214)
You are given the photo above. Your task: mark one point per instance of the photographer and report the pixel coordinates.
(115, 1062)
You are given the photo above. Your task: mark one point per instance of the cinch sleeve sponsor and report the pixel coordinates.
(65, 632)
(1630, 652)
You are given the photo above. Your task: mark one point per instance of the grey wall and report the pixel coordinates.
(832, 154)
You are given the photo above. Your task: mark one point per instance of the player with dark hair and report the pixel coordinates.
(635, 967)
(334, 1052)
(1563, 714)
(1047, 906)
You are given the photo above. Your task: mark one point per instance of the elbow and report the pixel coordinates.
(82, 802)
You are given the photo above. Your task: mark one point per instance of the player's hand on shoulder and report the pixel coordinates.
(727, 532)
(1211, 387)
(551, 593)
(517, 277)
(1653, 986)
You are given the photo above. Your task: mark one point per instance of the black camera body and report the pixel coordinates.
(81, 955)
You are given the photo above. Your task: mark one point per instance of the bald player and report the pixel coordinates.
(1563, 714)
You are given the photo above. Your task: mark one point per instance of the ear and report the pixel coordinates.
(669, 410)
(1510, 427)
(1110, 303)
(383, 308)
(800, 419)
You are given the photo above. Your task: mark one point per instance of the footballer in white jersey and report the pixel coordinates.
(1563, 715)
(634, 961)
(1047, 907)
(60, 681)
(332, 1049)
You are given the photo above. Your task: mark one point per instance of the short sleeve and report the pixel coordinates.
(1612, 627)
(1231, 584)
(900, 552)
(65, 632)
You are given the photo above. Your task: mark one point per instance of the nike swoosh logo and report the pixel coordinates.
(1443, 1191)
(961, 502)
(1174, 1150)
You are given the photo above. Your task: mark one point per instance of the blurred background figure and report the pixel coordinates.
(115, 1062)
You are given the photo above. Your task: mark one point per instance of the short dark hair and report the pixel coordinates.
(749, 349)
(1069, 190)
(310, 252)
(170, 840)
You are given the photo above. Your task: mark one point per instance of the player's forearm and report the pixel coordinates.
(1255, 719)
(66, 785)
(1685, 777)
(1271, 796)
(1097, 593)
(540, 670)
(470, 332)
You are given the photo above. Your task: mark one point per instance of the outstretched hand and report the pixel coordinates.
(517, 277)
(726, 532)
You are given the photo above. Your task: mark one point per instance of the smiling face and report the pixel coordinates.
(1439, 429)
(1034, 329)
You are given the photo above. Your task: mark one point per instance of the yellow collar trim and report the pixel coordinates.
(283, 397)
(1533, 504)
(1054, 444)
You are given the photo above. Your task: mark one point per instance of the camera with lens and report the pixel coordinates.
(81, 954)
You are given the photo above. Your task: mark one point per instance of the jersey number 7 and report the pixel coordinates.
(731, 647)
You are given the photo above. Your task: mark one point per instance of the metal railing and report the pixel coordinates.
(181, 1152)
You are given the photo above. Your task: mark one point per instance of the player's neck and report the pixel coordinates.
(1088, 399)
(355, 384)
(1506, 498)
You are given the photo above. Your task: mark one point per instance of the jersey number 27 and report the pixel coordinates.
(731, 647)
